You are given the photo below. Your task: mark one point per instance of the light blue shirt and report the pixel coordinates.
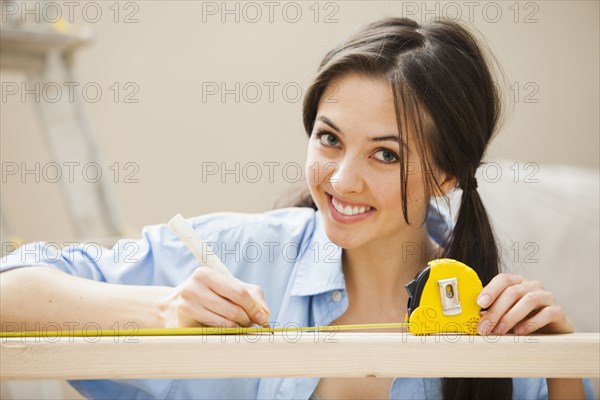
(285, 251)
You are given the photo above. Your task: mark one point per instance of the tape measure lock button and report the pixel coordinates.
(449, 296)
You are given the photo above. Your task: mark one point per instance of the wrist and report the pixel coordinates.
(164, 306)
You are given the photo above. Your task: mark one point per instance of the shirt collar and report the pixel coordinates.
(319, 267)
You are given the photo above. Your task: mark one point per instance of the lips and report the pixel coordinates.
(346, 212)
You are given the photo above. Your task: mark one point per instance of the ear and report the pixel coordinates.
(448, 183)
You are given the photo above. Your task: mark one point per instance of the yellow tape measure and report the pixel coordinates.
(195, 331)
(443, 299)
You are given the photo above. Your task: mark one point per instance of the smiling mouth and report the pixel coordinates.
(347, 209)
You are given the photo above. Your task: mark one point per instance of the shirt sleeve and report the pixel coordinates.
(129, 261)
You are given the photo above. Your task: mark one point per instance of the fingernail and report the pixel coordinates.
(498, 330)
(261, 318)
(518, 330)
(483, 300)
(482, 327)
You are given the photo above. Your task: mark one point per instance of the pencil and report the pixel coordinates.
(198, 248)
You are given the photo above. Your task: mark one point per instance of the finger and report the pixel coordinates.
(198, 316)
(258, 293)
(502, 304)
(546, 317)
(529, 302)
(225, 308)
(234, 290)
(496, 286)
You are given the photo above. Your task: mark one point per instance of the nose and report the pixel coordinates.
(347, 177)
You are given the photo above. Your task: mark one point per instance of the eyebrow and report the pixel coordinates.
(394, 138)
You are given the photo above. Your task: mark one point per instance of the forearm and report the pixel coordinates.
(562, 388)
(33, 297)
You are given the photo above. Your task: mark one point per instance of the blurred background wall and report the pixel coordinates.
(193, 87)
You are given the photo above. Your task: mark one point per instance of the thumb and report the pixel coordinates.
(259, 295)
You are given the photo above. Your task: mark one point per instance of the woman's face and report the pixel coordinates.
(353, 167)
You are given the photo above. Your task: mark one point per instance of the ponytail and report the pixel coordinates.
(473, 243)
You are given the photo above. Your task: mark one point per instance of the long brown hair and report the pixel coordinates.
(444, 91)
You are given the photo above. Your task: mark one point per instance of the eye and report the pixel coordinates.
(328, 139)
(386, 156)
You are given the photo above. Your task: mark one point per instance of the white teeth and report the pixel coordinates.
(349, 210)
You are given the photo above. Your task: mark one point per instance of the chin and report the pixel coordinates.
(345, 239)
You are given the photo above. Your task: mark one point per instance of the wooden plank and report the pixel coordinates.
(301, 354)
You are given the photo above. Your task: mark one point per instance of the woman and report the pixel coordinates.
(398, 115)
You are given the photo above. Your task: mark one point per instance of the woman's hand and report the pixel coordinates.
(521, 305)
(209, 298)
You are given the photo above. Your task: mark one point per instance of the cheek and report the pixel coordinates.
(385, 188)
(313, 169)
(416, 199)
(415, 186)
(318, 168)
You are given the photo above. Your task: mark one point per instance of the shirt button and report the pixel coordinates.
(336, 296)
